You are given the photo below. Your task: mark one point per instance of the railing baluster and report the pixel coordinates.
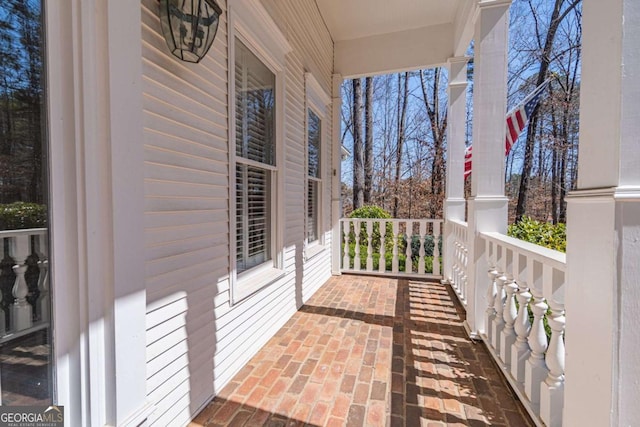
(552, 392)
(369, 245)
(408, 252)
(455, 270)
(520, 350)
(552, 389)
(44, 300)
(346, 259)
(508, 335)
(436, 248)
(535, 367)
(356, 258)
(422, 252)
(3, 325)
(501, 279)
(21, 310)
(492, 289)
(465, 261)
(382, 262)
(394, 261)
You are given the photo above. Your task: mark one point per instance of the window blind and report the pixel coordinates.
(255, 137)
(313, 171)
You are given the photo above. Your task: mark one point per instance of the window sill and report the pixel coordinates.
(313, 250)
(250, 282)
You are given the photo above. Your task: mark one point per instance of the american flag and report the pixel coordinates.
(516, 121)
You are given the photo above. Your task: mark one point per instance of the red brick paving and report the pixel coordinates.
(369, 351)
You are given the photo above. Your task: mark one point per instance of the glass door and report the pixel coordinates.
(25, 299)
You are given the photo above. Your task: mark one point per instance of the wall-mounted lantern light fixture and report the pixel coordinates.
(189, 27)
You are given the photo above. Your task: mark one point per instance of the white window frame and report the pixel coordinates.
(250, 23)
(318, 101)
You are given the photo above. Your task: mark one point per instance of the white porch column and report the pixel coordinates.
(336, 173)
(488, 204)
(127, 315)
(94, 67)
(454, 204)
(603, 225)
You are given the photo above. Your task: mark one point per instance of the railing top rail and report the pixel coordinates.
(23, 232)
(458, 222)
(391, 220)
(555, 258)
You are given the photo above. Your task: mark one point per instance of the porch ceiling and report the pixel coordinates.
(382, 36)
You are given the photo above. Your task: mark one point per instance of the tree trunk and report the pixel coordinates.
(554, 160)
(368, 141)
(358, 161)
(402, 116)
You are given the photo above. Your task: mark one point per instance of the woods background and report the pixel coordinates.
(395, 125)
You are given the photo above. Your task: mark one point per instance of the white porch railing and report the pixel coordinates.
(525, 316)
(410, 247)
(525, 321)
(457, 250)
(27, 310)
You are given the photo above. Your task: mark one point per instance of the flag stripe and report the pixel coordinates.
(521, 122)
(511, 129)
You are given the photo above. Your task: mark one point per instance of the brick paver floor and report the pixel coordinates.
(369, 351)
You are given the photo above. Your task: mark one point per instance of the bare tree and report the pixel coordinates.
(557, 16)
(437, 114)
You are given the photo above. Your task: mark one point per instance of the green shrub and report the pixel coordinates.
(21, 215)
(370, 211)
(541, 233)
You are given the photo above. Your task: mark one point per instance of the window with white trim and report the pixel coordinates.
(255, 158)
(257, 63)
(314, 179)
(317, 105)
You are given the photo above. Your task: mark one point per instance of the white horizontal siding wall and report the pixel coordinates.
(301, 23)
(196, 341)
(186, 219)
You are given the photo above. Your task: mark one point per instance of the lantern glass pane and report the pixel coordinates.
(189, 27)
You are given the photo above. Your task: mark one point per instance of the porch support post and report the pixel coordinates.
(603, 225)
(127, 298)
(94, 58)
(336, 172)
(454, 205)
(488, 204)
